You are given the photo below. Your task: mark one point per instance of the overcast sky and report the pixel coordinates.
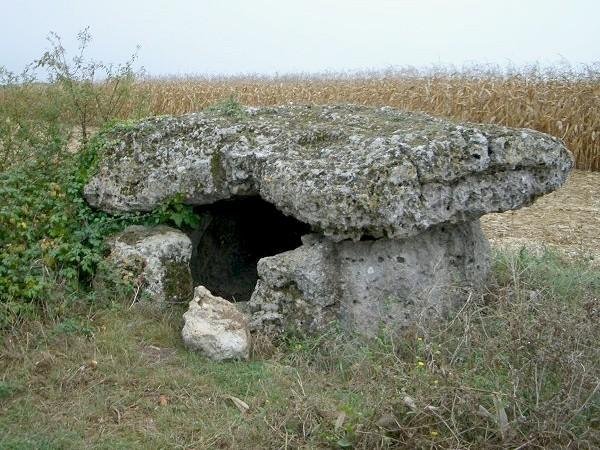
(280, 36)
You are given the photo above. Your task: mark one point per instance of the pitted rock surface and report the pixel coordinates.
(347, 171)
(214, 327)
(368, 285)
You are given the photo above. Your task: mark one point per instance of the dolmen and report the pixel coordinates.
(385, 205)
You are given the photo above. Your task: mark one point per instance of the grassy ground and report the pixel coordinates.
(517, 368)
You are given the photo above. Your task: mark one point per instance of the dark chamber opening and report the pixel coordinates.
(233, 236)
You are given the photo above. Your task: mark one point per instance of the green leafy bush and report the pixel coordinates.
(175, 212)
(230, 107)
(51, 240)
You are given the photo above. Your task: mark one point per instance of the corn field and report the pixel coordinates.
(564, 104)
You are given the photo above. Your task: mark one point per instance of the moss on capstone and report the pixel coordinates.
(297, 311)
(216, 169)
(113, 137)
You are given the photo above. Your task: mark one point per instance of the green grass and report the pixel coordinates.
(527, 350)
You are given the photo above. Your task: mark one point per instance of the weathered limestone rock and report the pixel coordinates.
(160, 258)
(369, 284)
(215, 328)
(392, 198)
(347, 171)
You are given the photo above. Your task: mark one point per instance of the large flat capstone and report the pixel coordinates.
(347, 171)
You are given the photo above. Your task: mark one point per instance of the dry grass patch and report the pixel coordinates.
(519, 367)
(567, 220)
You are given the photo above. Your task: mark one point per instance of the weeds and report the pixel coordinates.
(95, 92)
(79, 91)
(229, 107)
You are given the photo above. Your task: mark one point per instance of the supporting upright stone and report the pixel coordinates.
(372, 284)
(159, 257)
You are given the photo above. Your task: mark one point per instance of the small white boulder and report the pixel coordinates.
(215, 327)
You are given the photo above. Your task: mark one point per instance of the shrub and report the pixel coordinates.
(95, 92)
(51, 240)
(79, 92)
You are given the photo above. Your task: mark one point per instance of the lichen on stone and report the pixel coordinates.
(348, 171)
(178, 286)
(393, 199)
(158, 259)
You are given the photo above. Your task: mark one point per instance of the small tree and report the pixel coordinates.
(97, 92)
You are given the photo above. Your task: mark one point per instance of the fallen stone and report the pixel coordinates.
(215, 328)
(157, 259)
